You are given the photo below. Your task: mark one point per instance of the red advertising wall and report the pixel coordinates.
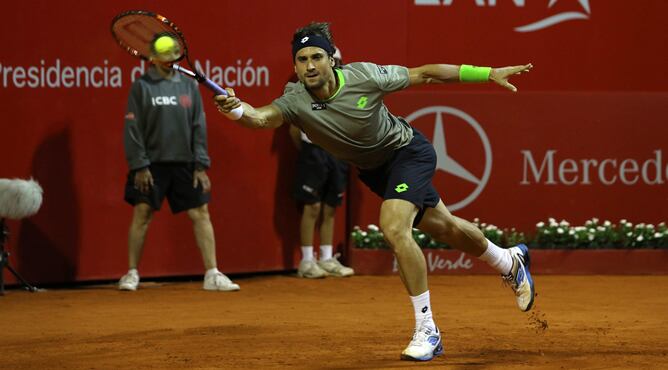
(597, 94)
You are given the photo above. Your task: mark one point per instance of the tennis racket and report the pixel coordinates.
(136, 30)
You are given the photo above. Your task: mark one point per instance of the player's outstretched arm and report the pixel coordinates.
(449, 73)
(268, 116)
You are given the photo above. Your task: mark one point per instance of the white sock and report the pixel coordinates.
(326, 252)
(499, 258)
(307, 253)
(133, 272)
(212, 271)
(422, 309)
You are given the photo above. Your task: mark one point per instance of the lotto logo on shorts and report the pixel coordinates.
(401, 188)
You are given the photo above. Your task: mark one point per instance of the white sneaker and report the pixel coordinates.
(219, 281)
(333, 267)
(309, 269)
(129, 281)
(425, 345)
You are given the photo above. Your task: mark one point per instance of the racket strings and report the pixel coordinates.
(137, 32)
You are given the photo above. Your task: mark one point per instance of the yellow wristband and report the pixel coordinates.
(469, 73)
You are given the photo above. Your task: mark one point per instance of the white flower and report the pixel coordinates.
(363, 233)
(590, 237)
(640, 238)
(657, 235)
(622, 221)
(560, 231)
(367, 240)
(540, 224)
(588, 223)
(591, 230)
(421, 236)
(373, 227)
(629, 234)
(628, 224)
(580, 228)
(571, 232)
(650, 226)
(607, 223)
(546, 231)
(564, 223)
(594, 220)
(551, 220)
(600, 228)
(476, 220)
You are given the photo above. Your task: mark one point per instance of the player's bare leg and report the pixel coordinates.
(396, 221)
(458, 233)
(513, 264)
(141, 218)
(204, 236)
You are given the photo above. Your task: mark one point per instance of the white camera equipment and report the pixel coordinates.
(18, 199)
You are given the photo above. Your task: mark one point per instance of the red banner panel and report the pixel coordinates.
(515, 159)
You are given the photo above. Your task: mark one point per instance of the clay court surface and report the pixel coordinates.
(592, 322)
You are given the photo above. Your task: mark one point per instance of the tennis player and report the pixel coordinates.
(342, 111)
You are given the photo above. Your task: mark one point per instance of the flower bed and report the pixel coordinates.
(548, 235)
(556, 248)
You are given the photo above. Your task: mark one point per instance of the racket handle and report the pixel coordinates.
(235, 113)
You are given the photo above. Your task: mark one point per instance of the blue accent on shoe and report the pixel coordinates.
(525, 254)
(527, 263)
(437, 352)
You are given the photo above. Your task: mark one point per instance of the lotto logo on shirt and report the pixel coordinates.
(164, 100)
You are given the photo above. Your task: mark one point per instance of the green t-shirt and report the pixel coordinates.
(354, 125)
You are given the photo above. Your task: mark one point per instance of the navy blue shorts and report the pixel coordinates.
(407, 175)
(171, 180)
(320, 177)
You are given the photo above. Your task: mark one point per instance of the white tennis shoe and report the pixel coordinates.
(425, 345)
(129, 281)
(219, 281)
(334, 268)
(311, 270)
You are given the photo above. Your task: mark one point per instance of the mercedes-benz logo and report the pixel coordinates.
(450, 165)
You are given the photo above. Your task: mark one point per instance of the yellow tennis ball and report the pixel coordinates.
(164, 45)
